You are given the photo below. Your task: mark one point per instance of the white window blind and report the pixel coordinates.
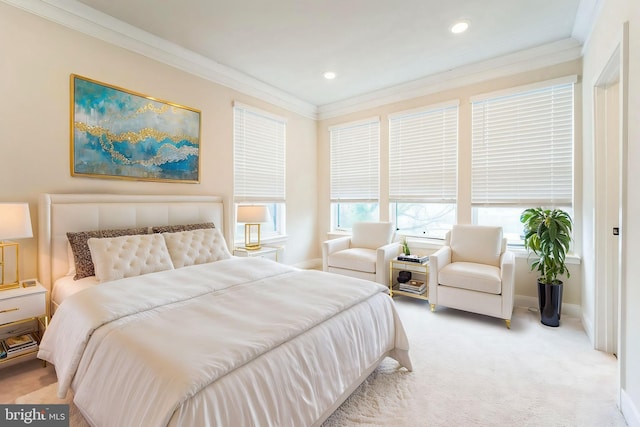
(522, 148)
(355, 161)
(258, 155)
(423, 155)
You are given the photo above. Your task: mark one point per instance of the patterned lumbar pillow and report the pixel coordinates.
(81, 254)
(184, 227)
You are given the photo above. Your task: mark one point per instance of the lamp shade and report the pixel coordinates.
(253, 214)
(15, 221)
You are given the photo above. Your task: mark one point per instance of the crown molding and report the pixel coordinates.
(522, 61)
(79, 17)
(586, 17)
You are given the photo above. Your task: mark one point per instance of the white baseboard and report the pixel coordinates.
(587, 324)
(532, 302)
(629, 410)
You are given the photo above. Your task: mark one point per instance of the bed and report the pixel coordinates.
(164, 335)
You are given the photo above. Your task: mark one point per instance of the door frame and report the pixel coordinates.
(607, 285)
(618, 64)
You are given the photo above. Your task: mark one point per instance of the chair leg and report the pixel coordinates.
(433, 307)
(508, 322)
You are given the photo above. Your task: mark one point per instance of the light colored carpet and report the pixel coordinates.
(471, 370)
(47, 395)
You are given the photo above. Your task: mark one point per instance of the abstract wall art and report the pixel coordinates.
(116, 133)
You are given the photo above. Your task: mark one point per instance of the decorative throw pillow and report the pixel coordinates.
(80, 249)
(127, 256)
(184, 227)
(70, 260)
(196, 247)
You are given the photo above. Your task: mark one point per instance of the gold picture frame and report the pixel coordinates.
(117, 133)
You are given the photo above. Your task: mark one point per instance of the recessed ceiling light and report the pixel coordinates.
(459, 27)
(329, 75)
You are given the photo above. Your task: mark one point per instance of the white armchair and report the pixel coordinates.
(365, 254)
(473, 272)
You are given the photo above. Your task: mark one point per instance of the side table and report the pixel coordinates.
(419, 272)
(23, 311)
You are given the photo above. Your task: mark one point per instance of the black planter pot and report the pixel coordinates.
(550, 302)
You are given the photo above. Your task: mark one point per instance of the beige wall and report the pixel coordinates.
(525, 280)
(38, 57)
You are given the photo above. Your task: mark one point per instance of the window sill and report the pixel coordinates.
(431, 245)
(269, 241)
(520, 252)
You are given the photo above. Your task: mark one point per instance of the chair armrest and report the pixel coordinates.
(384, 255)
(437, 260)
(508, 277)
(333, 245)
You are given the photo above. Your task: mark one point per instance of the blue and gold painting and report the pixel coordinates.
(116, 133)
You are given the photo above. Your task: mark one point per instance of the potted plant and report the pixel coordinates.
(405, 246)
(547, 236)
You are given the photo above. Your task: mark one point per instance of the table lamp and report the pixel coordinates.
(15, 223)
(252, 216)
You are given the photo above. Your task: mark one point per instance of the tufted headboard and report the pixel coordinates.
(60, 213)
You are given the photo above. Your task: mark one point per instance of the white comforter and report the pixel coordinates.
(243, 341)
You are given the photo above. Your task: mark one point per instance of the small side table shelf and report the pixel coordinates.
(264, 252)
(23, 311)
(419, 272)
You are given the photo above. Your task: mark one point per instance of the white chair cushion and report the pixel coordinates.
(196, 247)
(473, 243)
(371, 235)
(472, 276)
(360, 259)
(127, 256)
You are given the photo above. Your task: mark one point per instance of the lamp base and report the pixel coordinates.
(7, 286)
(248, 243)
(15, 279)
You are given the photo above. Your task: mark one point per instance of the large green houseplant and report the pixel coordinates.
(547, 236)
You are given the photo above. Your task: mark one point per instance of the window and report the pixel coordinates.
(522, 153)
(355, 169)
(423, 170)
(259, 165)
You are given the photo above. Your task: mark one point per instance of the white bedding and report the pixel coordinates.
(242, 341)
(66, 286)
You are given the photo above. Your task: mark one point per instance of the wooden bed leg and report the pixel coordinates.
(508, 321)
(433, 307)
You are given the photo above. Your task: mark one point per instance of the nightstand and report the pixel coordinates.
(263, 252)
(23, 311)
(420, 274)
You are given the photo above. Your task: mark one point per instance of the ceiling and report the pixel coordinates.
(369, 44)
(372, 45)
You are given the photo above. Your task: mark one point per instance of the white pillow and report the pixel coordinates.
(127, 256)
(196, 246)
